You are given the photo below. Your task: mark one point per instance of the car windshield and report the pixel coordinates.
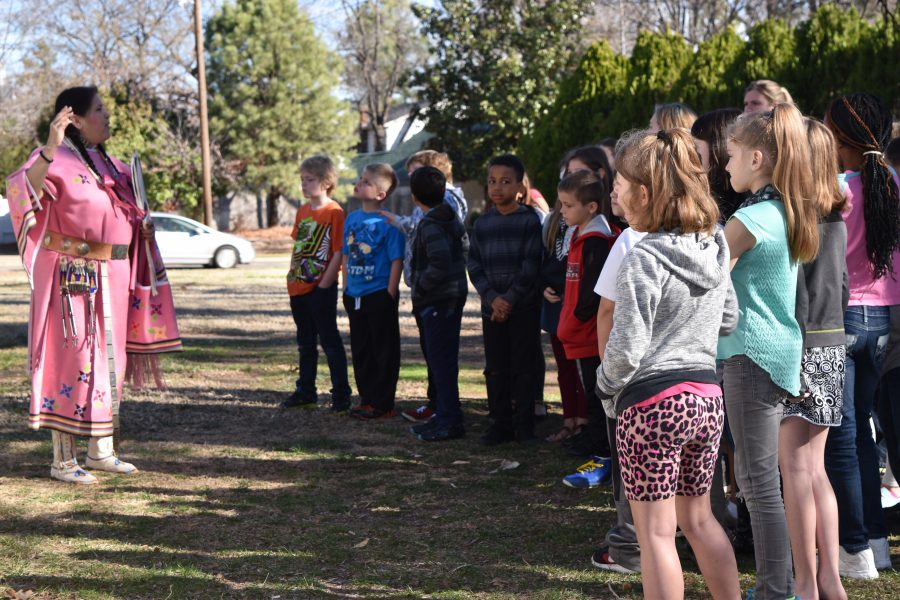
(174, 225)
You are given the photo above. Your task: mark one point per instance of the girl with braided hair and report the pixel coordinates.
(87, 253)
(861, 124)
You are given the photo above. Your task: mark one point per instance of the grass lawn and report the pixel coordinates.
(238, 499)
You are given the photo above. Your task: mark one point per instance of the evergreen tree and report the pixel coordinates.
(272, 86)
(495, 70)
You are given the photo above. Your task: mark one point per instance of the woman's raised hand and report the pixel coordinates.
(58, 129)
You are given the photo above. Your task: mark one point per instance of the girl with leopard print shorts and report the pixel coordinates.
(658, 376)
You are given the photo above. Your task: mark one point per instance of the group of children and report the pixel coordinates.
(714, 287)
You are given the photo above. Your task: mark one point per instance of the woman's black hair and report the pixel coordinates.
(862, 122)
(710, 128)
(80, 100)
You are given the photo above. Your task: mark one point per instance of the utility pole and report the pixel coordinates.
(204, 118)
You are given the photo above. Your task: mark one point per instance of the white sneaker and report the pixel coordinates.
(882, 553)
(112, 464)
(70, 472)
(890, 497)
(857, 566)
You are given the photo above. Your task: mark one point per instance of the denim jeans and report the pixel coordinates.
(754, 411)
(440, 332)
(315, 315)
(889, 416)
(851, 458)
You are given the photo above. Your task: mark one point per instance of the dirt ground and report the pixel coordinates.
(239, 499)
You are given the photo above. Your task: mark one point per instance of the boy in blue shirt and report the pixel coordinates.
(373, 262)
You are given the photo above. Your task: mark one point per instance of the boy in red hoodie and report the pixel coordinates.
(585, 205)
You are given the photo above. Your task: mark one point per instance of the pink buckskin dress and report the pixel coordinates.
(74, 382)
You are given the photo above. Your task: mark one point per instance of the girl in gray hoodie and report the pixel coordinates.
(674, 299)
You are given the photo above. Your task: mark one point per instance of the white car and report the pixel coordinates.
(183, 241)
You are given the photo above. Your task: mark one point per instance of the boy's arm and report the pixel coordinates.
(337, 245)
(394, 280)
(476, 270)
(596, 250)
(533, 255)
(331, 272)
(437, 250)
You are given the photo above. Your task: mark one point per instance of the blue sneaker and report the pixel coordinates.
(594, 472)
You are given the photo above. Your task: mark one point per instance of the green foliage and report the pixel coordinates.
(704, 84)
(835, 52)
(172, 177)
(578, 115)
(827, 46)
(496, 67)
(272, 86)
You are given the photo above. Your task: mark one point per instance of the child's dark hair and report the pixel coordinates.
(711, 128)
(587, 187)
(509, 160)
(892, 153)
(428, 185)
(592, 156)
(862, 122)
(609, 142)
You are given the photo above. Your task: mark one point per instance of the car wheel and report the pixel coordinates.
(226, 257)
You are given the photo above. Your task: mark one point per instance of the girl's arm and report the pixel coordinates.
(638, 293)
(604, 324)
(739, 239)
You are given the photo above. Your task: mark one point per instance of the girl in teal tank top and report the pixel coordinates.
(774, 230)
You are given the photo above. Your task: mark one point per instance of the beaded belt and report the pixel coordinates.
(84, 248)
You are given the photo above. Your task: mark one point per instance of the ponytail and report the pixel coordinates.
(793, 178)
(780, 134)
(863, 123)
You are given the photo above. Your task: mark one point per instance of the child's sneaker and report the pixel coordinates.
(594, 472)
(361, 409)
(890, 497)
(495, 436)
(602, 560)
(374, 414)
(422, 414)
(340, 406)
(423, 427)
(442, 433)
(299, 400)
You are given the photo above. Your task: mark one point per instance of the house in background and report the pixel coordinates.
(405, 134)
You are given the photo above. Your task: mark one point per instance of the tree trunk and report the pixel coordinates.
(272, 207)
(380, 135)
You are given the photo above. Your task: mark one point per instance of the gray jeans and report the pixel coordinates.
(621, 539)
(754, 412)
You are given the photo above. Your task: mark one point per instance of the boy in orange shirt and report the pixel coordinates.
(312, 284)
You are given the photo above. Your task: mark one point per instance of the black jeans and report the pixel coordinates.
(375, 347)
(315, 315)
(596, 425)
(511, 351)
(440, 330)
(432, 402)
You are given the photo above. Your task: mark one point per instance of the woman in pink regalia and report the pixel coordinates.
(87, 250)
